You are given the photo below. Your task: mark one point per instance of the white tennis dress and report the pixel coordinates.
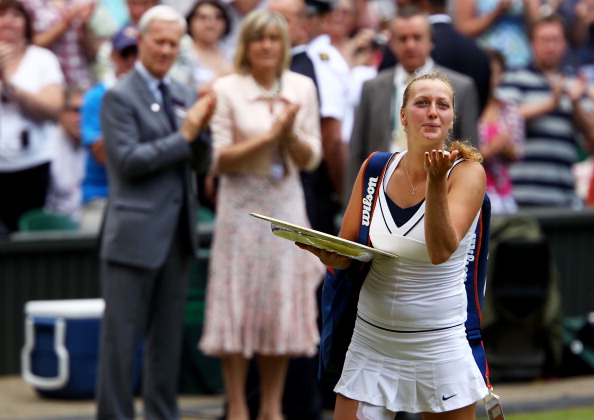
(409, 350)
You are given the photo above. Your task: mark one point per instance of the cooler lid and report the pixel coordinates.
(66, 308)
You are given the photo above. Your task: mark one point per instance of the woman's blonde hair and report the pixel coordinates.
(254, 26)
(464, 148)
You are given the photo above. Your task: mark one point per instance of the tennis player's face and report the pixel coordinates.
(429, 111)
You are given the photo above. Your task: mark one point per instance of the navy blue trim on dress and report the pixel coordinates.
(413, 226)
(408, 331)
(402, 215)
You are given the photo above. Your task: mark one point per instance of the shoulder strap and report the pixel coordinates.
(476, 276)
(457, 161)
(375, 167)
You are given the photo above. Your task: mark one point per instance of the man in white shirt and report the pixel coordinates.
(332, 73)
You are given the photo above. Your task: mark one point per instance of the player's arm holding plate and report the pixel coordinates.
(327, 257)
(348, 229)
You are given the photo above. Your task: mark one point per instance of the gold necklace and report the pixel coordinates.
(414, 189)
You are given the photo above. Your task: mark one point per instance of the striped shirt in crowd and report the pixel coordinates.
(543, 177)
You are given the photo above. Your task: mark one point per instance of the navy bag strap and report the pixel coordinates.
(340, 292)
(476, 277)
(373, 172)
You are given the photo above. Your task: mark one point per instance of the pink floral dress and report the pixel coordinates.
(261, 294)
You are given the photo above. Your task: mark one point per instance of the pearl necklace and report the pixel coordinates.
(414, 189)
(273, 92)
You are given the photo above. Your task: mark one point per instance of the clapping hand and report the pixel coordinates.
(359, 48)
(198, 116)
(557, 86)
(577, 88)
(80, 11)
(503, 6)
(282, 129)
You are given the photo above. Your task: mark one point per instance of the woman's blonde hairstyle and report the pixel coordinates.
(254, 26)
(466, 150)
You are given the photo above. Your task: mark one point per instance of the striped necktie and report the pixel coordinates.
(168, 104)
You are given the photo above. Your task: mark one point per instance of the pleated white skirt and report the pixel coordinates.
(415, 372)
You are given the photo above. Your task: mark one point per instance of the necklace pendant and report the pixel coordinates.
(414, 192)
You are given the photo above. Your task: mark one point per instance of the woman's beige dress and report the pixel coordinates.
(261, 295)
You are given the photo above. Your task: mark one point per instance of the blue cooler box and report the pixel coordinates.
(61, 351)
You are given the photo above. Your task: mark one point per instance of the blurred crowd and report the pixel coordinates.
(283, 144)
(523, 72)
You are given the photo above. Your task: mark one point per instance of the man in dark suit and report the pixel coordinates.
(452, 49)
(154, 130)
(457, 51)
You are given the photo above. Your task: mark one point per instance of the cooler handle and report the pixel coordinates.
(41, 382)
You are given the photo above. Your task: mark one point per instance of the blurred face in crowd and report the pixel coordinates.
(411, 41)
(12, 26)
(341, 21)
(207, 24)
(295, 13)
(402, 3)
(548, 45)
(158, 47)
(70, 116)
(136, 9)
(265, 52)
(429, 109)
(124, 60)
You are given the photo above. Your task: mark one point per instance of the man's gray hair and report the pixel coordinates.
(161, 12)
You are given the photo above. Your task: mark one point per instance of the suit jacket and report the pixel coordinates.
(302, 64)
(150, 186)
(372, 130)
(458, 52)
(461, 53)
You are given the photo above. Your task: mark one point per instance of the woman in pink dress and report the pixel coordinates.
(261, 296)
